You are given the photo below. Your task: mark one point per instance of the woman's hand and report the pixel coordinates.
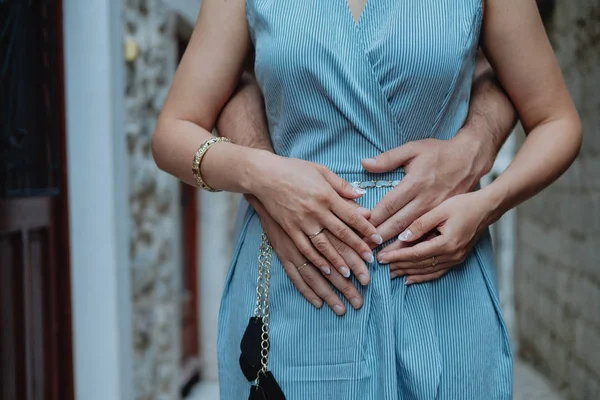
(307, 200)
(458, 220)
(435, 171)
(308, 280)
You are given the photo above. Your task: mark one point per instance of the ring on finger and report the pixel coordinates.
(314, 235)
(299, 268)
(434, 261)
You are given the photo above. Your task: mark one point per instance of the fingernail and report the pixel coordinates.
(360, 191)
(368, 257)
(345, 271)
(381, 257)
(363, 279)
(406, 235)
(339, 310)
(326, 270)
(317, 303)
(377, 238)
(408, 282)
(355, 301)
(370, 161)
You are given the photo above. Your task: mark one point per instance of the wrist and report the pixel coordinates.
(256, 167)
(478, 149)
(493, 198)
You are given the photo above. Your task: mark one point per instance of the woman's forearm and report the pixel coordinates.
(225, 166)
(548, 151)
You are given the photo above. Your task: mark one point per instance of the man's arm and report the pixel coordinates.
(243, 117)
(491, 116)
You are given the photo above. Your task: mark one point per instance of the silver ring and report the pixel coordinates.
(314, 235)
(434, 261)
(302, 266)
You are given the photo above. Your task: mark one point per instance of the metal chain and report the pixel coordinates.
(262, 299)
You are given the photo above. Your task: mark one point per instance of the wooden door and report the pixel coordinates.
(190, 349)
(35, 313)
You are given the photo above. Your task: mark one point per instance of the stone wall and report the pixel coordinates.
(154, 204)
(558, 257)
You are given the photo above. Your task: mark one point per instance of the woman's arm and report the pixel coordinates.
(518, 48)
(516, 44)
(204, 81)
(206, 77)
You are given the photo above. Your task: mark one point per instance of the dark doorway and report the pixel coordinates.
(190, 348)
(35, 304)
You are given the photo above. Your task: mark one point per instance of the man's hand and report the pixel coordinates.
(435, 170)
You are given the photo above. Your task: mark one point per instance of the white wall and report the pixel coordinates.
(97, 200)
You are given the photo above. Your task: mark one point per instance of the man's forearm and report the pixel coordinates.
(491, 117)
(243, 118)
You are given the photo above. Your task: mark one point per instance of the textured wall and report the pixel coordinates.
(153, 198)
(558, 259)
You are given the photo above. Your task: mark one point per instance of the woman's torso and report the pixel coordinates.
(337, 91)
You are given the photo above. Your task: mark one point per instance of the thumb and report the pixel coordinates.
(423, 225)
(390, 160)
(342, 187)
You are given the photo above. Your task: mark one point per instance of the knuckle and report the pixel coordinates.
(417, 226)
(398, 225)
(389, 207)
(330, 297)
(342, 232)
(340, 247)
(321, 245)
(310, 279)
(416, 255)
(348, 291)
(305, 249)
(353, 218)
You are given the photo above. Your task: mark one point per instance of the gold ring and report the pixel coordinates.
(314, 235)
(434, 261)
(302, 266)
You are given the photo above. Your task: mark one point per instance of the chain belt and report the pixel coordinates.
(375, 184)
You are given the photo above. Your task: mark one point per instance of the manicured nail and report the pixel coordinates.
(377, 238)
(370, 161)
(408, 282)
(339, 310)
(355, 301)
(326, 270)
(360, 191)
(363, 279)
(317, 303)
(381, 257)
(368, 257)
(406, 235)
(345, 271)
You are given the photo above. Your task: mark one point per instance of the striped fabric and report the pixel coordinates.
(337, 92)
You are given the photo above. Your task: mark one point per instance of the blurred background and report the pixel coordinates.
(111, 271)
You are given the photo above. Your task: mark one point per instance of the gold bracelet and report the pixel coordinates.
(198, 159)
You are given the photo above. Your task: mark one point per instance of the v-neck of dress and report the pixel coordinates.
(357, 22)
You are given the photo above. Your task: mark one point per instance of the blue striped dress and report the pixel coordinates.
(337, 92)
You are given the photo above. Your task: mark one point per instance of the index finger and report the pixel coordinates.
(392, 202)
(416, 253)
(351, 216)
